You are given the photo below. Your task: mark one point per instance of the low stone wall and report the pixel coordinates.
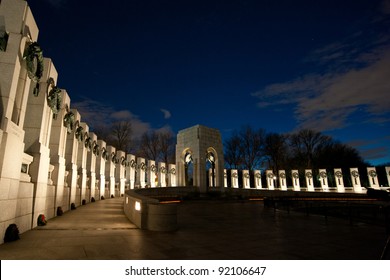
(145, 209)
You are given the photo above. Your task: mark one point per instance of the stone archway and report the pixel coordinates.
(200, 142)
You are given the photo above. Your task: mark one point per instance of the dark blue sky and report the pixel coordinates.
(277, 65)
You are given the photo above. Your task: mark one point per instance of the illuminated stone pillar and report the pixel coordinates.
(234, 178)
(140, 176)
(83, 148)
(323, 178)
(355, 178)
(388, 175)
(309, 180)
(110, 172)
(101, 168)
(282, 180)
(338, 176)
(211, 177)
(71, 159)
(246, 182)
(172, 175)
(295, 180)
(37, 140)
(152, 170)
(92, 156)
(131, 170)
(225, 183)
(162, 174)
(373, 178)
(257, 181)
(57, 147)
(120, 173)
(270, 179)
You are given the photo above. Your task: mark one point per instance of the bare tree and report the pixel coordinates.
(149, 146)
(305, 143)
(167, 146)
(121, 134)
(232, 151)
(245, 148)
(276, 150)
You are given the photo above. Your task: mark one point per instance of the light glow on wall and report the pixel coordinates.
(137, 206)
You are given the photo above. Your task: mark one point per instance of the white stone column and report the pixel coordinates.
(270, 179)
(323, 177)
(309, 180)
(110, 172)
(338, 177)
(131, 170)
(246, 181)
(225, 183)
(71, 158)
(212, 178)
(373, 178)
(14, 91)
(120, 172)
(171, 175)
(295, 180)
(282, 180)
(101, 168)
(37, 140)
(234, 178)
(92, 156)
(151, 170)
(355, 178)
(162, 174)
(140, 175)
(82, 164)
(388, 175)
(257, 179)
(57, 147)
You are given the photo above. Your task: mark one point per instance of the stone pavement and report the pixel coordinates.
(207, 230)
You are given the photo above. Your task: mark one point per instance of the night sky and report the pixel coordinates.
(277, 65)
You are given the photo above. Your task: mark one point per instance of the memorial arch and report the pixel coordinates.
(196, 148)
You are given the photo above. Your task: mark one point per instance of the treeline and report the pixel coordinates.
(250, 149)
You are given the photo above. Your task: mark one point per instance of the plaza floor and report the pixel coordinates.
(208, 230)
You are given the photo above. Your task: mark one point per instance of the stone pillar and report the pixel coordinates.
(338, 177)
(83, 149)
(225, 183)
(14, 91)
(162, 174)
(373, 178)
(152, 170)
(270, 179)
(212, 183)
(257, 179)
(282, 180)
(101, 168)
(246, 182)
(323, 178)
(309, 180)
(140, 175)
(131, 170)
(295, 180)
(234, 178)
(37, 139)
(120, 173)
(92, 156)
(110, 172)
(355, 178)
(57, 146)
(72, 145)
(388, 175)
(171, 175)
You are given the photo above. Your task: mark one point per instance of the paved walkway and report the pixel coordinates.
(207, 230)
